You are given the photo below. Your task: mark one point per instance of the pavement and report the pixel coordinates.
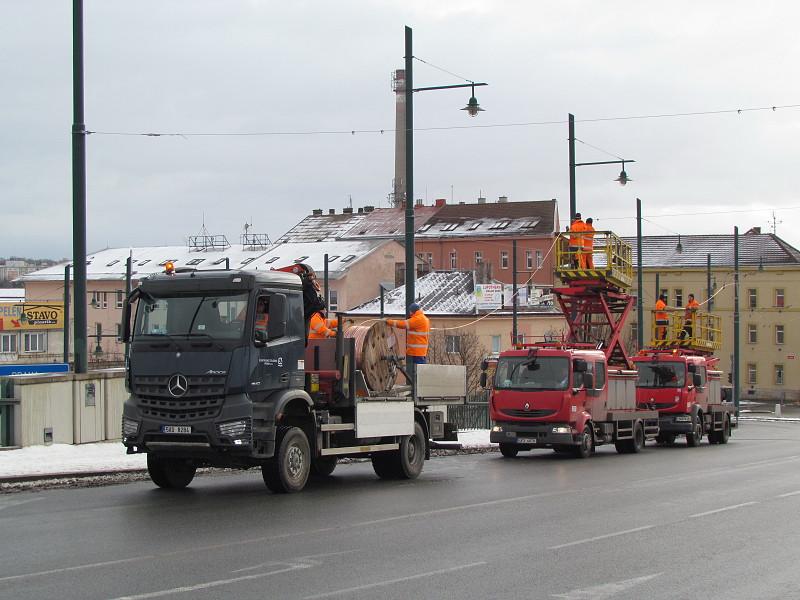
(65, 462)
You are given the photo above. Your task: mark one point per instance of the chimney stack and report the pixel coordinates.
(316, 211)
(440, 202)
(331, 211)
(502, 199)
(481, 200)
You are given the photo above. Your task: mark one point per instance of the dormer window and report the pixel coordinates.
(474, 226)
(301, 259)
(500, 224)
(247, 261)
(219, 261)
(112, 263)
(271, 260)
(424, 228)
(348, 258)
(449, 227)
(195, 261)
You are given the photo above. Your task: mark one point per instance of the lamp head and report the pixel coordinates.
(472, 107)
(623, 177)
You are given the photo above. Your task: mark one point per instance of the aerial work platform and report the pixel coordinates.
(701, 332)
(609, 259)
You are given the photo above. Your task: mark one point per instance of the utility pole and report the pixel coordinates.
(639, 277)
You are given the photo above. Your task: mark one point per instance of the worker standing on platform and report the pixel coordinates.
(576, 229)
(662, 318)
(689, 316)
(320, 328)
(419, 328)
(587, 259)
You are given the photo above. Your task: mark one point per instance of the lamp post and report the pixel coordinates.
(622, 179)
(472, 108)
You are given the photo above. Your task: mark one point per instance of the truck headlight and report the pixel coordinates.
(238, 431)
(562, 429)
(129, 427)
(497, 429)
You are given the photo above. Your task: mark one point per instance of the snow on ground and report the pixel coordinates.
(474, 438)
(65, 458)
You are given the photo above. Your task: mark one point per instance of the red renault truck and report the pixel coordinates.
(567, 399)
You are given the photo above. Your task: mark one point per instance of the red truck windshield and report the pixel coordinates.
(661, 374)
(526, 373)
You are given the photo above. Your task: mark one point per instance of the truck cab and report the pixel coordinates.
(565, 399)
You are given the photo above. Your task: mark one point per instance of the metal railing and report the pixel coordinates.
(469, 416)
(609, 258)
(695, 331)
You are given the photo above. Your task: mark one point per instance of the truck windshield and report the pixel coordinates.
(661, 375)
(525, 373)
(218, 316)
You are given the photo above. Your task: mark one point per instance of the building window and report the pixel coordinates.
(195, 261)
(452, 344)
(99, 300)
(678, 297)
(119, 332)
(495, 343)
(271, 259)
(752, 374)
(348, 258)
(528, 260)
(333, 300)
(779, 334)
(478, 258)
(752, 333)
(779, 298)
(35, 342)
(453, 259)
(539, 259)
(778, 374)
(752, 298)
(8, 343)
(504, 259)
(120, 298)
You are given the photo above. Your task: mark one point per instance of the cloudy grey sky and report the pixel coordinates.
(249, 66)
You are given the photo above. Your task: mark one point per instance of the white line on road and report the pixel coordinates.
(723, 509)
(605, 590)
(393, 581)
(211, 584)
(789, 494)
(307, 558)
(76, 568)
(601, 537)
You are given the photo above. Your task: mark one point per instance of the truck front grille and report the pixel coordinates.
(203, 399)
(530, 414)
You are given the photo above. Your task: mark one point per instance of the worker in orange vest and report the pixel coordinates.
(320, 328)
(262, 314)
(419, 328)
(587, 260)
(576, 228)
(688, 317)
(662, 318)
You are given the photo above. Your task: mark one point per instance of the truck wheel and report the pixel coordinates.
(323, 466)
(288, 471)
(586, 446)
(385, 465)
(170, 473)
(633, 445)
(412, 454)
(696, 435)
(721, 436)
(509, 450)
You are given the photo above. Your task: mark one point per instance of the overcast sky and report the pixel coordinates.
(250, 66)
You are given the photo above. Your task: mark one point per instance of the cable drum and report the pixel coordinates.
(374, 344)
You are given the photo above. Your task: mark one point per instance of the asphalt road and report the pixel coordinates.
(710, 522)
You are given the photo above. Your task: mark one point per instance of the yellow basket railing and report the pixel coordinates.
(609, 258)
(695, 331)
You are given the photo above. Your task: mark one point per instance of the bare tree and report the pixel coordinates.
(459, 347)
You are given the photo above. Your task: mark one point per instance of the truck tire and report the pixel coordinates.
(721, 437)
(586, 446)
(405, 463)
(385, 465)
(509, 450)
(288, 471)
(633, 445)
(323, 466)
(696, 435)
(170, 473)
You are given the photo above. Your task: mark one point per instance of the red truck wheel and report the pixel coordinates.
(509, 450)
(586, 446)
(696, 435)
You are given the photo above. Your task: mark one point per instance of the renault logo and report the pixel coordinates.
(527, 406)
(177, 385)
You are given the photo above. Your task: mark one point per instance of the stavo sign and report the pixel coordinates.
(17, 316)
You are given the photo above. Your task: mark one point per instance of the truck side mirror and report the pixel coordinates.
(125, 336)
(483, 379)
(697, 381)
(579, 365)
(278, 315)
(588, 381)
(484, 364)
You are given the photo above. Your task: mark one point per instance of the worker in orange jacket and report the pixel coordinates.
(419, 328)
(662, 318)
(320, 328)
(576, 229)
(688, 317)
(587, 260)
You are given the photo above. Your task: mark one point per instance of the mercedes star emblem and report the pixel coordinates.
(177, 385)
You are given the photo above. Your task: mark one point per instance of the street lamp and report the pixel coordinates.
(622, 179)
(472, 108)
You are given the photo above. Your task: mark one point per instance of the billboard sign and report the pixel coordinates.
(24, 316)
(488, 296)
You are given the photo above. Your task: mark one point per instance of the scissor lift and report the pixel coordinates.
(595, 299)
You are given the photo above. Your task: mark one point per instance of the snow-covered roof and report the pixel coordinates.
(535, 217)
(439, 292)
(109, 264)
(319, 227)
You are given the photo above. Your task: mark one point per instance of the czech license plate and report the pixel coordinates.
(176, 429)
(526, 440)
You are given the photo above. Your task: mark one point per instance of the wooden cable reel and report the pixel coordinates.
(374, 345)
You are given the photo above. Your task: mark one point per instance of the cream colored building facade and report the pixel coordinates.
(769, 307)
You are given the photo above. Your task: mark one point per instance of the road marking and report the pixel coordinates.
(602, 537)
(9, 503)
(789, 494)
(719, 510)
(76, 568)
(393, 581)
(212, 584)
(308, 558)
(605, 590)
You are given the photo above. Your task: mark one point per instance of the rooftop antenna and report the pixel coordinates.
(774, 223)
